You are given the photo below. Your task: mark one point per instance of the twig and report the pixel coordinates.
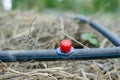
(50, 69)
(31, 26)
(62, 24)
(53, 77)
(62, 31)
(74, 40)
(109, 75)
(84, 75)
(21, 73)
(5, 65)
(103, 43)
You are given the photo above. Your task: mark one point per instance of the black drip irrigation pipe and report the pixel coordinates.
(105, 32)
(78, 54)
(51, 55)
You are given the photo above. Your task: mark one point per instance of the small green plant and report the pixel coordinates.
(91, 38)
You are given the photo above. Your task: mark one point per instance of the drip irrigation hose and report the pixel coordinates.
(105, 32)
(51, 55)
(73, 54)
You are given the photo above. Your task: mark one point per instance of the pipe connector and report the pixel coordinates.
(65, 48)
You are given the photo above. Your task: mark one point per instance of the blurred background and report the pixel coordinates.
(77, 6)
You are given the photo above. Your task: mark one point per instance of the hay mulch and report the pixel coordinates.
(33, 31)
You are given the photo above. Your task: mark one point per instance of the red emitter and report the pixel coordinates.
(65, 47)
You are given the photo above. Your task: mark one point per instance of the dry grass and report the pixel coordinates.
(17, 32)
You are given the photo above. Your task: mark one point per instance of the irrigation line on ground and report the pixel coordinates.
(78, 54)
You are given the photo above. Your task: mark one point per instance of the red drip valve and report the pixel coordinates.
(65, 46)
